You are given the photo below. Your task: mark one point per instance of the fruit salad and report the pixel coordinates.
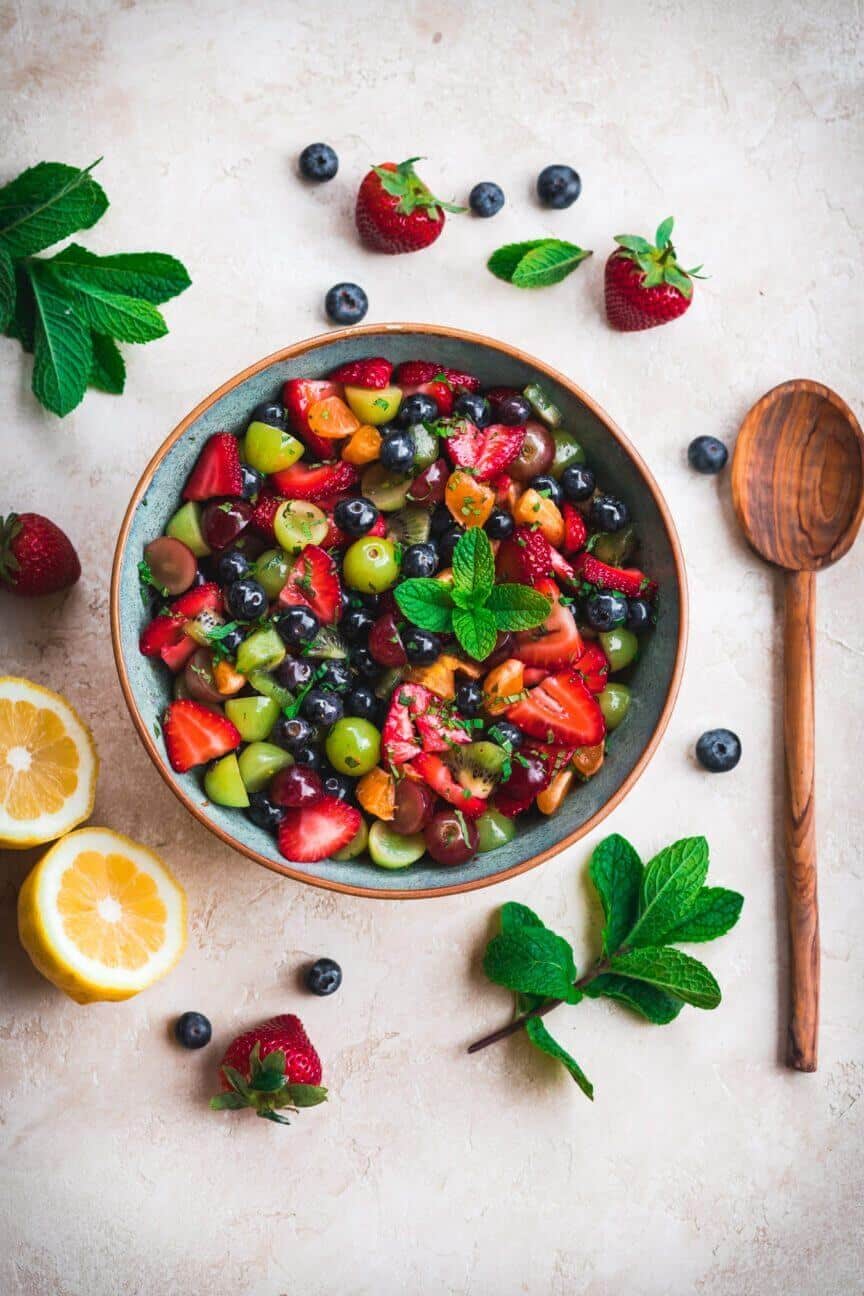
(396, 614)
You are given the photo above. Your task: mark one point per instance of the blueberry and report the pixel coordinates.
(323, 977)
(549, 487)
(449, 541)
(506, 733)
(397, 451)
(578, 482)
(469, 699)
(263, 812)
(295, 673)
(334, 674)
(605, 610)
(232, 640)
(608, 513)
(640, 615)
(513, 410)
(719, 750)
(320, 707)
(309, 756)
(420, 560)
(474, 407)
(417, 408)
(421, 646)
(499, 525)
(346, 303)
(252, 481)
(270, 412)
(297, 625)
(355, 516)
(192, 1030)
(558, 186)
(440, 521)
(231, 566)
(707, 455)
(337, 785)
(246, 600)
(362, 702)
(318, 162)
(486, 198)
(365, 664)
(355, 625)
(292, 733)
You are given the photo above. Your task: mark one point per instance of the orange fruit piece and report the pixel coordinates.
(470, 501)
(534, 509)
(551, 797)
(331, 418)
(502, 686)
(227, 679)
(587, 760)
(376, 792)
(364, 446)
(440, 677)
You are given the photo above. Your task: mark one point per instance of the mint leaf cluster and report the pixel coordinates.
(536, 263)
(473, 608)
(648, 909)
(70, 310)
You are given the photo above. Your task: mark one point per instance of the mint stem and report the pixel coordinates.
(540, 1011)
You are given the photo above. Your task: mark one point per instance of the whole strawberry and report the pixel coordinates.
(396, 212)
(645, 286)
(36, 557)
(270, 1068)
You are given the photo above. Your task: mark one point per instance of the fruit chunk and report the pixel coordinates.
(624, 580)
(415, 803)
(413, 373)
(254, 717)
(172, 564)
(376, 792)
(217, 470)
(588, 760)
(392, 850)
(493, 830)
(316, 831)
(48, 765)
(534, 509)
(364, 445)
(297, 523)
(332, 419)
(614, 703)
(560, 710)
(314, 582)
(434, 772)
(542, 406)
(101, 916)
(370, 565)
(195, 735)
(298, 396)
(185, 526)
(593, 666)
(468, 500)
(550, 799)
(259, 762)
(304, 481)
(374, 407)
(387, 490)
(372, 374)
(353, 746)
(356, 846)
(223, 783)
(557, 642)
(271, 571)
(575, 530)
(477, 766)
(451, 838)
(621, 647)
(269, 448)
(262, 650)
(525, 558)
(487, 452)
(502, 686)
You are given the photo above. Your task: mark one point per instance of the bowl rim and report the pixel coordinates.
(312, 344)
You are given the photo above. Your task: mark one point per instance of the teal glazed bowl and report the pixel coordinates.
(656, 675)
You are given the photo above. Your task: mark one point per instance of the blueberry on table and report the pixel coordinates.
(346, 303)
(707, 455)
(474, 407)
(513, 410)
(192, 1030)
(605, 610)
(264, 813)
(608, 513)
(324, 976)
(318, 162)
(719, 750)
(578, 482)
(486, 198)
(558, 186)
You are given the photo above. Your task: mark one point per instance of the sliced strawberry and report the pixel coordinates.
(194, 734)
(575, 530)
(593, 666)
(561, 710)
(487, 453)
(264, 513)
(203, 598)
(298, 397)
(533, 675)
(374, 373)
(514, 797)
(399, 740)
(414, 373)
(314, 582)
(314, 481)
(432, 770)
(176, 655)
(555, 644)
(438, 729)
(385, 642)
(625, 580)
(217, 471)
(441, 392)
(525, 558)
(160, 633)
(314, 832)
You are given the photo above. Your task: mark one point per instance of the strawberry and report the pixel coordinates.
(593, 666)
(298, 397)
(626, 580)
(441, 393)
(374, 373)
(398, 739)
(525, 558)
(176, 655)
(395, 211)
(438, 729)
(217, 470)
(269, 1068)
(264, 512)
(414, 373)
(162, 632)
(561, 710)
(575, 530)
(431, 769)
(557, 642)
(645, 286)
(36, 557)
(314, 481)
(314, 581)
(202, 598)
(488, 452)
(314, 832)
(194, 734)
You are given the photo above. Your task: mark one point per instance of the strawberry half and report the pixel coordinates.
(263, 514)
(396, 212)
(575, 530)
(314, 832)
(203, 598)
(399, 740)
(561, 710)
(413, 373)
(487, 452)
(593, 666)
(625, 580)
(313, 581)
(438, 730)
(314, 482)
(194, 734)
(176, 655)
(555, 644)
(525, 558)
(374, 373)
(217, 470)
(431, 769)
(298, 397)
(162, 632)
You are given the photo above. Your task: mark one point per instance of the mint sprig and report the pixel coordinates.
(473, 608)
(70, 309)
(536, 263)
(647, 911)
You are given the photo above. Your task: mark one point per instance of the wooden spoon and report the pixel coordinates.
(798, 490)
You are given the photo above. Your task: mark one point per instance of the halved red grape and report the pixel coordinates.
(295, 787)
(414, 805)
(385, 643)
(198, 678)
(429, 487)
(536, 455)
(173, 567)
(223, 520)
(451, 838)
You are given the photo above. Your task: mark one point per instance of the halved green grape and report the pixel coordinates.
(620, 646)
(614, 703)
(375, 406)
(542, 405)
(614, 547)
(253, 717)
(353, 746)
(493, 830)
(224, 785)
(271, 569)
(269, 449)
(298, 523)
(266, 685)
(259, 762)
(371, 565)
(356, 846)
(387, 490)
(185, 525)
(391, 850)
(261, 650)
(567, 451)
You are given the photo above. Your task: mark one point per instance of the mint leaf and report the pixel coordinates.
(532, 960)
(47, 203)
(547, 264)
(473, 566)
(670, 885)
(616, 871)
(7, 288)
(504, 261)
(518, 607)
(63, 351)
(22, 325)
(153, 276)
(654, 1005)
(125, 318)
(541, 1039)
(108, 370)
(426, 603)
(671, 970)
(514, 916)
(475, 630)
(713, 913)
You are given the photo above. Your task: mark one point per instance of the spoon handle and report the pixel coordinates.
(798, 732)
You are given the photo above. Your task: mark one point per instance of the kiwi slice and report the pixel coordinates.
(392, 850)
(477, 766)
(328, 644)
(425, 446)
(542, 405)
(409, 526)
(387, 490)
(267, 686)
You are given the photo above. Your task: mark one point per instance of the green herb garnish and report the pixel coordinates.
(146, 583)
(536, 263)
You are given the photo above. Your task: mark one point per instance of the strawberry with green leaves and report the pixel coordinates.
(272, 1068)
(36, 557)
(396, 212)
(645, 285)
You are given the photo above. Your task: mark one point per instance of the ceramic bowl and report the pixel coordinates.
(619, 468)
